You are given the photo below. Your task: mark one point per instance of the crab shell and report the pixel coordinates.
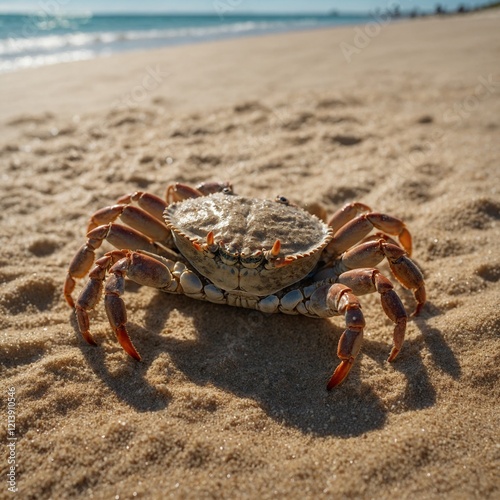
(241, 255)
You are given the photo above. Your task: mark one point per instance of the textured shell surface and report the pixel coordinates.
(243, 226)
(249, 223)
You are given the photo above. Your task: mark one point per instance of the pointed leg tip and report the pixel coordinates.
(88, 338)
(131, 351)
(392, 356)
(418, 310)
(331, 385)
(135, 355)
(126, 343)
(340, 373)
(334, 382)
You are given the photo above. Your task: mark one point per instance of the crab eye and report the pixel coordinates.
(227, 190)
(282, 199)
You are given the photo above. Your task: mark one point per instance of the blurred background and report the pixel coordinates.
(46, 32)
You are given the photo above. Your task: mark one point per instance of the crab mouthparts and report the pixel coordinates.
(246, 258)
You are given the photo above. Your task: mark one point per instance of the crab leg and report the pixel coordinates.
(92, 292)
(407, 273)
(140, 268)
(80, 265)
(136, 218)
(119, 236)
(363, 281)
(180, 192)
(339, 299)
(78, 268)
(355, 230)
(149, 270)
(152, 204)
(345, 214)
(380, 236)
(370, 253)
(147, 219)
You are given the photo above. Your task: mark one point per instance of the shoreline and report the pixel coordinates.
(90, 39)
(76, 88)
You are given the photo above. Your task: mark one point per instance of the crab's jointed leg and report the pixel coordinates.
(150, 270)
(92, 292)
(345, 214)
(134, 217)
(370, 253)
(149, 203)
(363, 281)
(351, 229)
(143, 270)
(140, 268)
(119, 236)
(339, 299)
(180, 192)
(147, 220)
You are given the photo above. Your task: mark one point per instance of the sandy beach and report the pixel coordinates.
(232, 403)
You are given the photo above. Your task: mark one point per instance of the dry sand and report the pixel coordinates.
(229, 403)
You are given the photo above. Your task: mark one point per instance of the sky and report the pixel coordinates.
(207, 6)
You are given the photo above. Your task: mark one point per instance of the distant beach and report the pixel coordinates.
(29, 41)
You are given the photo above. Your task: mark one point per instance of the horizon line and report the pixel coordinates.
(329, 13)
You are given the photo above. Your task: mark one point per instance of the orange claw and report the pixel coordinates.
(340, 373)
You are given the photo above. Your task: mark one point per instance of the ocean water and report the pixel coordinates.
(28, 41)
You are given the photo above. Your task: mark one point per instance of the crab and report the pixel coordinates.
(270, 255)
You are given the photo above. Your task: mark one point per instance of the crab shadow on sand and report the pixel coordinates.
(282, 362)
(130, 383)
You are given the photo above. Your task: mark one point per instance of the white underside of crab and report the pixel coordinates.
(309, 300)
